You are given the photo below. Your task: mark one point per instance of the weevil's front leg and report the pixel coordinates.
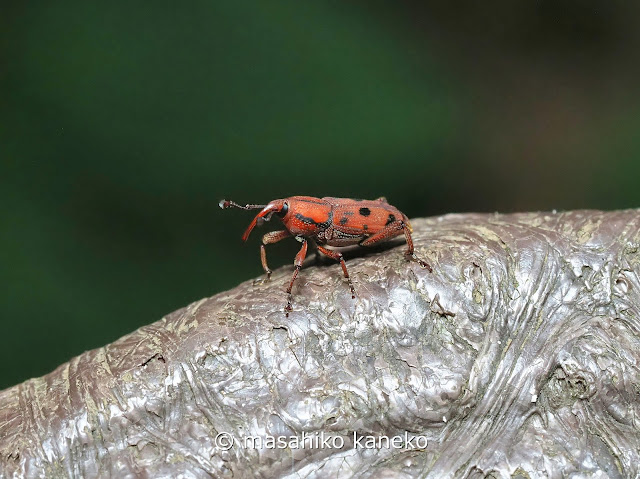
(409, 254)
(270, 238)
(298, 264)
(338, 257)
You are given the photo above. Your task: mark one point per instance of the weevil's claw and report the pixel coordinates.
(288, 308)
(353, 290)
(424, 264)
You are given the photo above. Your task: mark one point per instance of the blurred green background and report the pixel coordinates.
(123, 125)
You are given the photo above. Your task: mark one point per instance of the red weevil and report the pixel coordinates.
(330, 222)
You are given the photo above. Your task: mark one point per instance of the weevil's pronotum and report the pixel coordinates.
(330, 222)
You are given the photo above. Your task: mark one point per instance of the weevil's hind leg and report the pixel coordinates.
(270, 238)
(298, 264)
(338, 257)
(409, 254)
(392, 230)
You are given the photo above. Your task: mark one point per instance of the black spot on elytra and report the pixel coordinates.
(390, 219)
(343, 221)
(364, 211)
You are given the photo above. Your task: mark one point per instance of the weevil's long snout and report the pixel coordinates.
(274, 207)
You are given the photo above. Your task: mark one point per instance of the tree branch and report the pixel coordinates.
(518, 355)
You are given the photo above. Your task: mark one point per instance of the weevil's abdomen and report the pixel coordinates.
(363, 217)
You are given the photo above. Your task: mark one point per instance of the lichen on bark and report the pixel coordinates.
(517, 357)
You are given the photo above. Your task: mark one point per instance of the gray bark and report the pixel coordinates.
(518, 356)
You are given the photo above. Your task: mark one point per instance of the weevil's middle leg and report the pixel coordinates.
(338, 257)
(270, 238)
(298, 264)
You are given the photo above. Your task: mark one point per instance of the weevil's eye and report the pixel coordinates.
(284, 210)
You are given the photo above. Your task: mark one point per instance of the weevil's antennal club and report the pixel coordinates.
(224, 204)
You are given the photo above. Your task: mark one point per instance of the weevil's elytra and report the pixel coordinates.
(312, 219)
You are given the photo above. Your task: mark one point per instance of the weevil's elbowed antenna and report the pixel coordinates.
(224, 204)
(275, 206)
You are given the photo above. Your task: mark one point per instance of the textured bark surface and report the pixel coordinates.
(534, 374)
